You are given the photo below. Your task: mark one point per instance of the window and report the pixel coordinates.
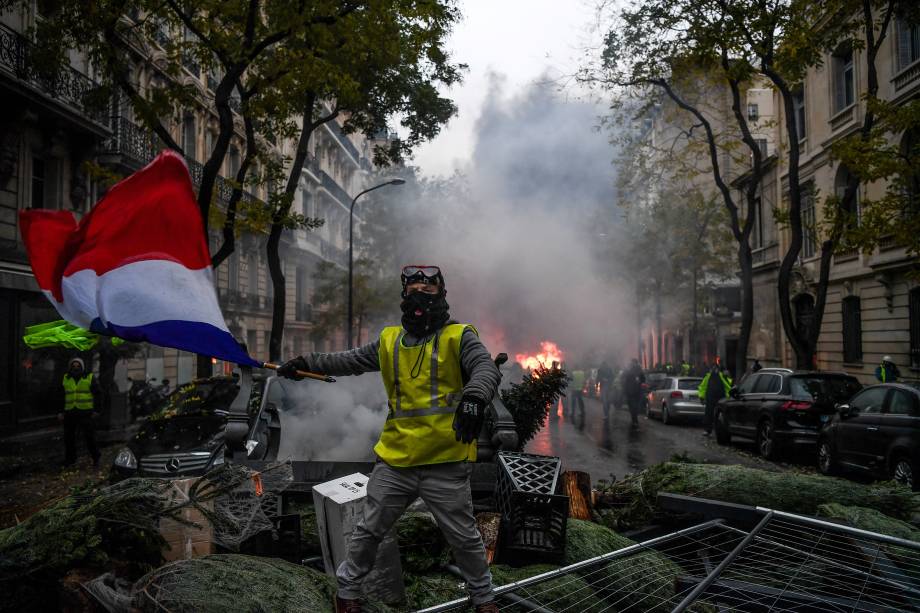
(753, 112)
(768, 384)
(851, 208)
(302, 293)
(803, 306)
(234, 162)
(798, 103)
(688, 384)
(747, 386)
(38, 183)
(914, 315)
(252, 339)
(834, 387)
(809, 222)
(901, 403)
(253, 285)
(757, 230)
(233, 272)
(762, 145)
(852, 330)
(870, 400)
(908, 43)
(188, 137)
(844, 79)
(910, 184)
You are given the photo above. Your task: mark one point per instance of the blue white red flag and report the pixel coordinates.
(137, 266)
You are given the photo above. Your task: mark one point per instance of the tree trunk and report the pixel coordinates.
(747, 307)
(694, 349)
(277, 228)
(659, 359)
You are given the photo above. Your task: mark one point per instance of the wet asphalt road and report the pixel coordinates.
(618, 449)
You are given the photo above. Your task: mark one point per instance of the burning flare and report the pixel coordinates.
(550, 353)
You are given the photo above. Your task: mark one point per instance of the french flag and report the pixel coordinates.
(137, 266)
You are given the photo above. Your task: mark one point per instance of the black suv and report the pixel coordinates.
(877, 432)
(780, 408)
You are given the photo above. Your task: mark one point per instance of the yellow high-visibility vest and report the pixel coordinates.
(424, 385)
(78, 394)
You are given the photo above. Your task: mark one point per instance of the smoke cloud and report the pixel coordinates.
(332, 421)
(518, 234)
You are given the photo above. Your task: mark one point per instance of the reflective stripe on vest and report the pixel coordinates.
(78, 394)
(424, 384)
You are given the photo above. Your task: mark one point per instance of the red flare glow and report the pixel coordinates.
(549, 353)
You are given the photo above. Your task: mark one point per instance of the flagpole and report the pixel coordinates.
(302, 373)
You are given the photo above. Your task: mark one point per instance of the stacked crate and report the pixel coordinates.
(534, 515)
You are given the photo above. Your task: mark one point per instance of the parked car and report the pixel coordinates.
(780, 408)
(675, 397)
(877, 432)
(185, 436)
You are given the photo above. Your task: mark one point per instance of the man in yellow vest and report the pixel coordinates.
(439, 379)
(81, 403)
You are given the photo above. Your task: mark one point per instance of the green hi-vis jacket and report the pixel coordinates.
(423, 384)
(78, 394)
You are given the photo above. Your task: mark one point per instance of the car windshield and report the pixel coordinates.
(816, 387)
(688, 384)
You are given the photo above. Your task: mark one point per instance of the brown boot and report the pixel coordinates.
(487, 607)
(343, 605)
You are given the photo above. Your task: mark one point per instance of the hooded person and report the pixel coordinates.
(79, 409)
(439, 379)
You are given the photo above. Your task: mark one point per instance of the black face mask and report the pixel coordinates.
(424, 313)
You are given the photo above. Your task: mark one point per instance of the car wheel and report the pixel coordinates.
(766, 443)
(723, 436)
(827, 464)
(902, 471)
(665, 416)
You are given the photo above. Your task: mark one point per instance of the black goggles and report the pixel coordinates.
(421, 274)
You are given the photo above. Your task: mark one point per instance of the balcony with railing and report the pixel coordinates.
(337, 191)
(67, 85)
(331, 253)
(139, 146)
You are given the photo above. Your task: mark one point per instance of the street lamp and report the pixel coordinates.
(351, 232)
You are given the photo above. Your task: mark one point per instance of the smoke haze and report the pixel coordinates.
(517, 235)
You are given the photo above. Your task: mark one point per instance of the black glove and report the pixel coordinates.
(468, 418)
(289, 369)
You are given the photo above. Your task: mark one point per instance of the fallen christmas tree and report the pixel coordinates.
(632, 502)
(530, 400)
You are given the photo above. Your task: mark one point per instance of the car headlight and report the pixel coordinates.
(218, 459)
(125, 458)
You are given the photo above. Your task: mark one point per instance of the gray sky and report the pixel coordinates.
(518, 40)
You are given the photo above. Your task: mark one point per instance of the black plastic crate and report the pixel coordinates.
(533, 515)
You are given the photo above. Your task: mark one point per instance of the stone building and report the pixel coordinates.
(873, 304)
(46, 139)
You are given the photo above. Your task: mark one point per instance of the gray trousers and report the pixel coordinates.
(445, 488)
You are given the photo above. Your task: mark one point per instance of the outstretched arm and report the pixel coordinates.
(352, 362)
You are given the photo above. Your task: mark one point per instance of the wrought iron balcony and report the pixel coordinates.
(334, 188)
(140, 146)
(67, 85)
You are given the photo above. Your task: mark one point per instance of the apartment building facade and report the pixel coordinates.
(873, 299)
(47, 140)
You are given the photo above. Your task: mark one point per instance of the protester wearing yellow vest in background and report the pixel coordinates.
(81, 402)
(439, 379)
(576, 391)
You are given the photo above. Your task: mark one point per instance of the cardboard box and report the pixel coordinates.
(339, 507)
(186, 541)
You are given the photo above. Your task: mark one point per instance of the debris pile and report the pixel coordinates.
(631, 503)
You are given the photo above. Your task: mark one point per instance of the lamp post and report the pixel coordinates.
(351, 233)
